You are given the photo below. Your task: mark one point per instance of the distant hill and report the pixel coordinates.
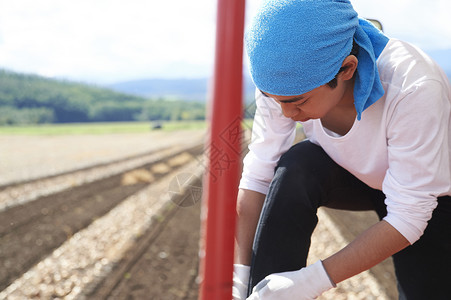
(189, 89)
(181, 89)
(443, 58)
(196, 89)
(33, 99)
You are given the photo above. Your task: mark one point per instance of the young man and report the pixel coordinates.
(377, 121)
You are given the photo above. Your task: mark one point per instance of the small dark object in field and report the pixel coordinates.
(157, 126)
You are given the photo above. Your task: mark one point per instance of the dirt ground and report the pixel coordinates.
(28, 157)
(164, 265)
(166, 270)
(173, 242)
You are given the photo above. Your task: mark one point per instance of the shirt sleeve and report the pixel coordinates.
(272, 135)
(419, 162)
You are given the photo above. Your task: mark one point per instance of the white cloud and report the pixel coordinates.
(111, 40)
(115, 38)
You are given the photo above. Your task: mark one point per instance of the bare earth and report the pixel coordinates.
(167, 269)
(28, 157)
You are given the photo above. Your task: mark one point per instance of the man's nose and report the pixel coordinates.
(289, 110)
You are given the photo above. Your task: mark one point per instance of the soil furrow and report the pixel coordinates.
(29, 232)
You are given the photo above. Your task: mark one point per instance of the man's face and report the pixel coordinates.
(312, 105)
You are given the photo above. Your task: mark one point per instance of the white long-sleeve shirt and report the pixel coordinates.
(402, 144)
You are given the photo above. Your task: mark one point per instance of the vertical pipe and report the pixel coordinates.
(224, 155)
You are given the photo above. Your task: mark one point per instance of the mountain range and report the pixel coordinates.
(197, 89)
(443, 58)
(180, 89)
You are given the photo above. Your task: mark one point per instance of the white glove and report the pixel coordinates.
(240, 281)
(304, 284)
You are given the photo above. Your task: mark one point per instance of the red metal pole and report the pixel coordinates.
(224, 155)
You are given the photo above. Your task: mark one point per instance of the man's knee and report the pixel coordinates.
(300, 177)
(302, 158)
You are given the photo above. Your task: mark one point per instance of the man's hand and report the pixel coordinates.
(306, 283)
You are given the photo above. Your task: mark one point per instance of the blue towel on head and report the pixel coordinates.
(295, 46)
(368, 88)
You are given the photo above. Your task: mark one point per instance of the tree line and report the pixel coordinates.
(32, 99)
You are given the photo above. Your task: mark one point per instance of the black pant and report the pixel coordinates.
(307, 178)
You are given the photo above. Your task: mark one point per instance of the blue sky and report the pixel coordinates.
(106, 41)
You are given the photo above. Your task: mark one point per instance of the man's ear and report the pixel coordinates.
(349, 66)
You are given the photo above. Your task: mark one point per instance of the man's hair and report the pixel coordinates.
(355, 50)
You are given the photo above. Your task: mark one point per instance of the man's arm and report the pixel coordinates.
(371, 247)
(249, 206)
(374, 245)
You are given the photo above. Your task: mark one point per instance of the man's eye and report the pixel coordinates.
(302, 103)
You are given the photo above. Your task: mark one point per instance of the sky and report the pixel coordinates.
(108, 41)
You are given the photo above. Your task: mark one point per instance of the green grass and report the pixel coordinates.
(98, 128)
(184, 125)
